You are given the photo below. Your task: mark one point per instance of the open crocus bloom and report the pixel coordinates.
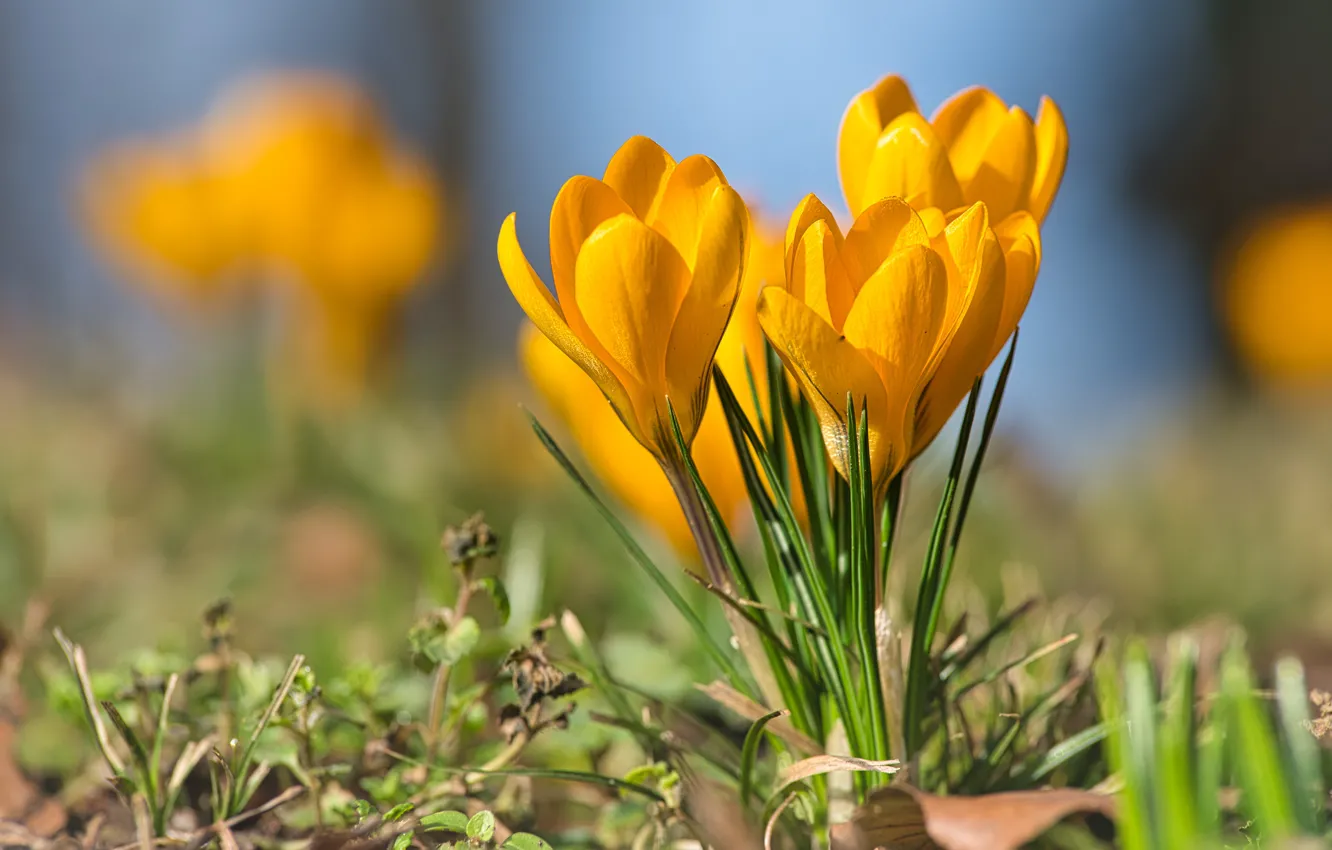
(975, 148)
(898, 315)
(646, 265)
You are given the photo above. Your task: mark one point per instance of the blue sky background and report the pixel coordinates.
(1116, 332)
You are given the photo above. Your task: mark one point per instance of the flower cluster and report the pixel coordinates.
(897, 313)
(293, 178)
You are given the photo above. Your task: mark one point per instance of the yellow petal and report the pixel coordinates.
(809, 210)
(976, 285)
(829, 368)
(1051, 157)
(911, 162)
(1020, 238)
(684, 201)
(818, 277)
(862, 125)
(897, 317)
(581, 206)
(886, 226)
(1004, 177)
(629, 281)
(637, 172)
(966, 123)
(707, 306)
(533, 296)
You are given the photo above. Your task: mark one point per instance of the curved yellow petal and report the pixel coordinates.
(809, 210)
(1004, 177)
(911, 162)
(1020, 238)
(535, 299)
(707, 306)
(966, 123)
(864, 121)
(886, 226)
(1051, 157)
(684, 202)
(818, 276)
(582, 205)
(629, 281)
(897, 318)
(977, 298)
(828, 369)
(637, 172)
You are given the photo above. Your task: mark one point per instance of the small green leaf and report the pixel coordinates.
(643, 774)
(402, 842)
(398, 812)
(482, 826)
(498, 594)
(446, 822)
(525, 841)
(460, 640)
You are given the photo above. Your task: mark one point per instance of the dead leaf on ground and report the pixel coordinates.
(815, 765)
(905, 818)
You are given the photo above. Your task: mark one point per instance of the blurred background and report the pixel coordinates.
(1166, 445)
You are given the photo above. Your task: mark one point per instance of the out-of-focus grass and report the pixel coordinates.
(1223, 512)
(130, 520)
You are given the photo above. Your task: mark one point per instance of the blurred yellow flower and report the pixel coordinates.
(293, 177)
(626, 467)
(896, 314)
(975, 148)
(1277, 298)
(646, 263)
(179, 224)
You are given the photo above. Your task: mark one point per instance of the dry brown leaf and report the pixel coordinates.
(729, 697)
(816, 765)
(905, 818)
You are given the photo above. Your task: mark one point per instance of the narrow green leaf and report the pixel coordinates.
(723, 658)
(933, 584)
(1303, 753)
(749, 754)
(137, 753)
(1069, 749)
(1264, 794)
(1132, 822)
(808, 583)
(1176, 760)
(274, 705)
(525, 841)
(403, 841)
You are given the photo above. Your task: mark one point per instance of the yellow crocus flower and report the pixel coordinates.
(975, 148)
(897, 314)
(646, 263)
(620, 462)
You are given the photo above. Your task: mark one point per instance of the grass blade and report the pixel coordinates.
(723, 658)
(749, 754)
(1303, 752)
